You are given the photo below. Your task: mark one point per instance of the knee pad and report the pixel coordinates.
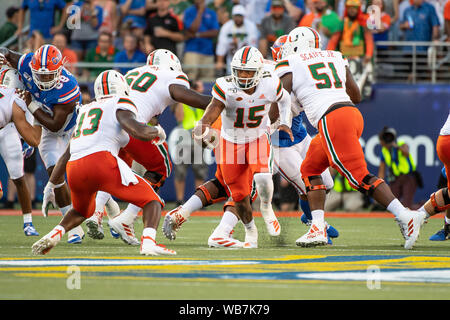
(229, 203)
(309, 187)
(156, 179)
(446, 200)
(369, 188)
(221, 195)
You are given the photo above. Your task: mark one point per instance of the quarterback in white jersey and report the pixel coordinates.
(322, 83)
(93, 164)
(243, 101)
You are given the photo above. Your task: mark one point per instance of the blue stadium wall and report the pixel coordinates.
(417, 112)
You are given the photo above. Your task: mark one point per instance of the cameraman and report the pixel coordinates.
(401, 174)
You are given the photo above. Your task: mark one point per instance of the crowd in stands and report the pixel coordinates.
(206, 33)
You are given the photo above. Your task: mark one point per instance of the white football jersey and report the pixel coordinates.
(98, 129)
(7, 97)
(245, 117)
(318, 80)
(445, 131)
(150, 89)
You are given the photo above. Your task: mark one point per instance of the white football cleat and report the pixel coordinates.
(410, 223)
(217, 241)
(126, 231)
(150, 247)
(273, 227)
(94, 225)
(316, 236)
(172, 223)
(43, 245)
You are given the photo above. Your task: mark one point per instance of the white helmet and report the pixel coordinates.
(110, 83)
(250, 59)
(10, 78)
(301, 39)
(164, 59)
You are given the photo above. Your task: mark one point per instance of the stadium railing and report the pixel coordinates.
(412, 62)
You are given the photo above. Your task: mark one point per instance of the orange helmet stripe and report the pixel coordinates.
(316, 37)
(245, 55)
(105, 83)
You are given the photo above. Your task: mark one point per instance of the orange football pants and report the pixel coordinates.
(99, 172)
(337, 145)
(443, 152)
(237, 163)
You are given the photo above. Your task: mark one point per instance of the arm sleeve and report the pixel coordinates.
(61, 4)
(434, 17)
(188, 18)
(284, 106)
(181, 79)
(282, 68)
(15, 98)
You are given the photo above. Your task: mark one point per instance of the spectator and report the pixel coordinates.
(278, 23)
(85, 37)
(8, 29)
(322, 19)
(187, 117)
(380, 32)
(42, 16)
(34, 42)
(131, 53)
(104, 52)
(163, 29)
(353, 38)
(255, 10)
(86, 96)
(178, 7)
(398, 165)
(343, 196)
(60, 41)
(294, 8)
(447, 20)
(420, 23)
(223, 10)
(110, 19)
(134, 11)
(392, 8)
(235, 34)
(201, 27)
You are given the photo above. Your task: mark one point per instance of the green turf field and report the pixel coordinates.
(110, 269)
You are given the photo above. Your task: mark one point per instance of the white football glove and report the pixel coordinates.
(161, 136)
(48, 198)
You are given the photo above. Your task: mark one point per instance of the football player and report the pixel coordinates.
(153, 87)
(243, 100)
(55, 94)
(323, 85)
(12, 154)
(104, 126)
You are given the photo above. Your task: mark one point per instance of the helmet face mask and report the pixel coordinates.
(46, 67)
(247, 59)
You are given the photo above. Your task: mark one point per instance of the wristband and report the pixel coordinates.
(33, 106)
(55, 186)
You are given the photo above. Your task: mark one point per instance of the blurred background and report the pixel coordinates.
(398, 50)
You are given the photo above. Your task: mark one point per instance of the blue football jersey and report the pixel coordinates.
(282, 139)
(65, 92)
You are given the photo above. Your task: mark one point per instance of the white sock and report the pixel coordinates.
(57, 233)
(100, 200)
(395, 207)
(228, 222)
(65, 209)
(447, 220)
(318, 216)
(194, 203)
(422, 209)
(27, 218)
(149, 232)
(264, 186)
(130, 213)
(251, 225)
